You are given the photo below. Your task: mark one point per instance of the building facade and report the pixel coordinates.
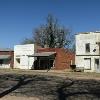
(54, 58)
(88, 51)
(22, 58)
(30, 56)
(6, 58)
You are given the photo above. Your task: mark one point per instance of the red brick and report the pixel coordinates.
(63, 57)
(11, 53)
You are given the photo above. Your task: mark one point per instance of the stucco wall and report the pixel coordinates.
(81, 54)
(21, 52)
(82, 39)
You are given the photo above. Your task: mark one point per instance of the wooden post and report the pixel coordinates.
(39, 63)
(48, 63)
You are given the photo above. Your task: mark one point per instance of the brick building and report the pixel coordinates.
(55, 58)
(6, 58)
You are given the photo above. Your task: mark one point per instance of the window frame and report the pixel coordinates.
(87, 47)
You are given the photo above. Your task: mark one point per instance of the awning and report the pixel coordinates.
(4, 56)
(43, 54)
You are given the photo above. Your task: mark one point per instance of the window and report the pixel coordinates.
(1, 61)
(87, 47)
(18, 60)
(97, 63)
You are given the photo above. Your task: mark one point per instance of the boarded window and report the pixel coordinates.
(87, 47)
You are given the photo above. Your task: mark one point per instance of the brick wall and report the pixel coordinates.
(63, 57)
(11, 53)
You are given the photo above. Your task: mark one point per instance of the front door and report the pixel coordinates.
(87, 63)
(97, 65)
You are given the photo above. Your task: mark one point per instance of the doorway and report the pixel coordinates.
(97, 65)
(87, 63)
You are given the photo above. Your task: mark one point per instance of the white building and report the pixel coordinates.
(22, 53)
(88, 51)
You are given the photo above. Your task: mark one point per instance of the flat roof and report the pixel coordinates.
(87, 32)
(43, 54)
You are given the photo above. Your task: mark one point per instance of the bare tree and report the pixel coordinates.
(27, 41)
(50, 34)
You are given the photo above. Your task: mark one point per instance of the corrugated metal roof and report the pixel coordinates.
(4, 56)
(43, 54)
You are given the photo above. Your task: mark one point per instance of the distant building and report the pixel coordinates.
(6, 58)
(22, 59)
(53, 58)
(88, 51)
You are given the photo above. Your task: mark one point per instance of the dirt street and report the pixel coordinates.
(15, 85)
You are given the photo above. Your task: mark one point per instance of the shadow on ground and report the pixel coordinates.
(49, 87)
(79, 90)
(21, 81)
